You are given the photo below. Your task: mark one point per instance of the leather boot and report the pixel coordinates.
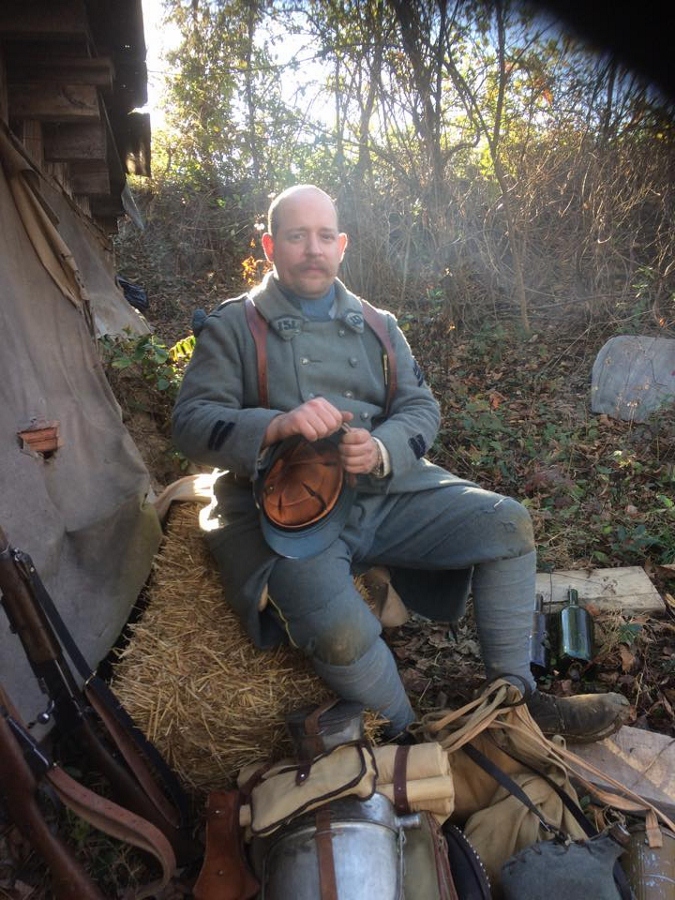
(580, 719)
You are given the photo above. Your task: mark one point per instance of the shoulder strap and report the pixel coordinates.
(258, 326)
(377, 323)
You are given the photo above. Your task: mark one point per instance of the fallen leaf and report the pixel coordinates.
(627, 658)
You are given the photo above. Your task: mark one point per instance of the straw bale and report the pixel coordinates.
(193, 681)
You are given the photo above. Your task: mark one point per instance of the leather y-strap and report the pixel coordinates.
(259, 327)
(379, 326)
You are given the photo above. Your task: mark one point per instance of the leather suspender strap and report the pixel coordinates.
(258, 327)
(379, 326)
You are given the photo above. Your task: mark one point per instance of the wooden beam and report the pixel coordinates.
(69, 142)
(63, 70)
(643, 761)
(90, 178)
(627, 589)
(54, 102)
(106, 208)
(37, 19)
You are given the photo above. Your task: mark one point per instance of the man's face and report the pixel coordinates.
(307, 248)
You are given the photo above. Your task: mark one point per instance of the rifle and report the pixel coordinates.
(134, 767)
(18, 788)
(22, 765)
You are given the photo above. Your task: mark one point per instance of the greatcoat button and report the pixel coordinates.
(353, 362)
(365, 415)
(304, 361)
(349, 394)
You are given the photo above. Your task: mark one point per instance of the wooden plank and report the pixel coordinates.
(65, 70)
(68, 142)
(54, 102)
(30, 135)
(3, 87)
(90, 177)
(628, 589)
(643, 761)
(43, 19)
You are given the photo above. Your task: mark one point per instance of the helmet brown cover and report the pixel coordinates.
(303, 484)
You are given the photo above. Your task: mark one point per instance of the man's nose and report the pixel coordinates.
(313, 245)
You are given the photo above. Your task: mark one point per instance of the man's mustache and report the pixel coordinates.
(308, 267)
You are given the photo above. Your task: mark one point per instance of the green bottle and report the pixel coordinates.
(575, 631)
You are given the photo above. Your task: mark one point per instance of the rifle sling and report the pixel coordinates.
(136, 750)
(109, 817)
(103, 814)
(259, 328)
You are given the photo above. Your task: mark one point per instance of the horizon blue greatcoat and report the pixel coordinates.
(217, 423)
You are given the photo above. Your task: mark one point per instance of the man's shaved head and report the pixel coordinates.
(294, 193)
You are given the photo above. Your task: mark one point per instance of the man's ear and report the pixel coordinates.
(268, 246)
(343, 241)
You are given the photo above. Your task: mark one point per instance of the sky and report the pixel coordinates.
(158, 39)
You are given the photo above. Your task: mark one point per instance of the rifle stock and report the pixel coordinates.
(18, 787)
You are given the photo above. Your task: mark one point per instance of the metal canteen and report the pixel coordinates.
(650, 870)
(367, 838)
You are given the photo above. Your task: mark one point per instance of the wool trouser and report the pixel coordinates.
(457, 526)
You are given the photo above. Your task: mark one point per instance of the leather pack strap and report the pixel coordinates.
(258, 327)
(400, 780)
(324, 848)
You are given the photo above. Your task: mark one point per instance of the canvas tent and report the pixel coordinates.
(82, 509)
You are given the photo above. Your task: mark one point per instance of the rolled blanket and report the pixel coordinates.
(426, 760)
(435, 795)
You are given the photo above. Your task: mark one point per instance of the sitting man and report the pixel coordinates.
(443, 535)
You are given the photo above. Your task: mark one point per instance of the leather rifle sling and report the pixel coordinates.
(258, 327)
(120, 823)
(141, 755)
(103, 814)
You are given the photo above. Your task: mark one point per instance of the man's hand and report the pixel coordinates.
(359, 452)
(315, 419)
